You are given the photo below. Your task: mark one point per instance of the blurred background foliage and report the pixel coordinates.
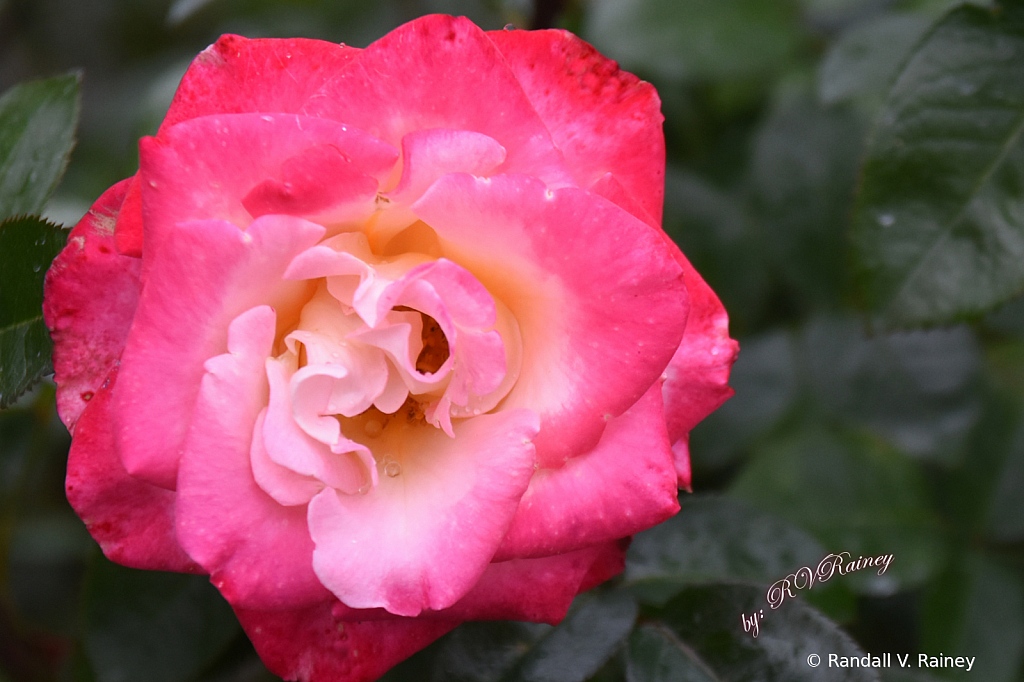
(848, 175)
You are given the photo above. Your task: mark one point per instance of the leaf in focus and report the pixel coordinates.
(854, 495)
(686, 39)
(37, 133)
(158, 627)
(715, 539)
(27, 247)
(938, 225)
(707, 618)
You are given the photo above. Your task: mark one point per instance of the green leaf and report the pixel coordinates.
(803, 168)
(976, 609)
(581, 643)
(715, 539)
(1006, 509)
(707, 618)
(158, 627)
(27, 247)
(918, 390)
(37, 133)
(695, 38)
(854, 495)
(575, 649)
(655, 654)
(863, 62)
(939, 221)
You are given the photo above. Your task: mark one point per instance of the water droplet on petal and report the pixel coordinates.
(392, 469)
(510, 27)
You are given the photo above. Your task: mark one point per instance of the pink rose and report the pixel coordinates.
(385, 340)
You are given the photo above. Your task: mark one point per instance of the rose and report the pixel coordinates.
(385, 340)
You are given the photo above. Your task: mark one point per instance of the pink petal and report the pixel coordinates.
(128, 229)
(422, 539)
(286, 486)
(336, 461)
(598, 296)
(256, 551)
(311, 645)
(210, 168)
(441, 72)
(132, 520)
(539, 590)
(90, 298)
(237, 75)
(626, 484)
(429, 154)
(602, 119)
(698, 376)
(182, 320)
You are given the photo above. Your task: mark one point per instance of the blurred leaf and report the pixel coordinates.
(655, 654)
(863, 62)
(977, 609)
(715, 539)
(714, 230)
(685, 39)
(802, 173)
(939, 222)
(27, 247)
(707, 619)
(575, 649)
(854, 495)
(916, 389)
(1006, 509)
(37, 133)
(158, 627)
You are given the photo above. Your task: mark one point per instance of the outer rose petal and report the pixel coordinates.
(132, 520)
(311, 645)
(238, 75)
(91, 295)
(598, 296)
(256, 551)
(182, 320)
(422, 539)
(626, 484)
(538, 590)
(604, 120)
(441, 72)
(209, 168)
(697, 378)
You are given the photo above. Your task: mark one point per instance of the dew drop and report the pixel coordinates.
(36, 268)
(392, 469)
(373, 428)
(87, 396)
(510, 27)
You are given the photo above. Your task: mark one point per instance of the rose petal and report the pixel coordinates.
(602, 119)
(598, 296)
(132, 520)
(441, 72)
(256, 551)
(311, 645)
(626, 484)
(238, 75)
(421, 539)
(182, 320)
(205, 168)
(91, 293)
